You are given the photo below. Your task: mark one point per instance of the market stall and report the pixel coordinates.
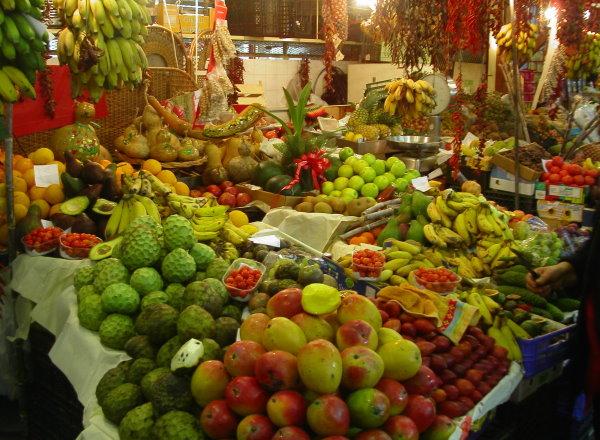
(207, 264)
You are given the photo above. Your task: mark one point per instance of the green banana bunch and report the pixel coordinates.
(474, 299)
(233, 234)
(586, 61)
(505, 339)
(108, 35)
(526, 41)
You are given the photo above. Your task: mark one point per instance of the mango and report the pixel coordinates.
(253, 327)
(283, 334)
(314, 327)
(356, 306)
(320, 366)
(209, 382)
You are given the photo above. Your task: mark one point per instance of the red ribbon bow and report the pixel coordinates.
(313, 162)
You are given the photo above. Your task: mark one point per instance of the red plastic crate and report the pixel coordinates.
(527, 74)
(544, 351)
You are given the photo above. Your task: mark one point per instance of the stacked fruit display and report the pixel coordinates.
(408, 98)
(226, 193)
(21, 49)
(457, 376)
(367, 176)
(101, 44)
(586, 60)
(570, 174)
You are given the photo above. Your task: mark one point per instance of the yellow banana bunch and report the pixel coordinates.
(504, 337)
(102, 44)
(586, 61)
(233, 234)
(128, 209)
(526, 42)
(408, 98)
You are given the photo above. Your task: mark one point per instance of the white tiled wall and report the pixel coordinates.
(275, 74)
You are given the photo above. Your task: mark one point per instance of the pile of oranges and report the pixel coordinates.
(368, 237)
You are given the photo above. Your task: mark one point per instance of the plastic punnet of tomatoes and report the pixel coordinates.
(242, 278)
(77, 246)
(440, 280)
(367, 264)
(41, 241)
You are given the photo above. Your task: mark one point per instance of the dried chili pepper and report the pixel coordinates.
(459, 127)
(570, 22)
(304, 72)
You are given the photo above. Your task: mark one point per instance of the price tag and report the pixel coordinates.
(46, 223)
(421, 183)
(470, 137)
(435, 173)
(46, 175)
(269, 240)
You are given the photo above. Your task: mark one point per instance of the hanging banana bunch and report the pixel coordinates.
(526, 42)
(102, 44)
(21, 48)
(586, 61)
(408, 98)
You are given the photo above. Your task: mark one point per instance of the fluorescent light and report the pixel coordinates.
(550, 13)
(366, 4)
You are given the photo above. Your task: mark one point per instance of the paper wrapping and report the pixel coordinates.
(312, 228)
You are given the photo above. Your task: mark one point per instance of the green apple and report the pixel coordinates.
(349, 193)
(379, 166)
(345, 171)
(370, 158)
(347, 199)
(391, 161)
(335, 193)
(413, 174)
(356, 183)
(350, 160)
(398, 169)
(345, 153)
(340, 183)
(382, 182)
(401, 183)
(369, 190)
(327, 187)
(368, 174)
(390, 176)
(359, 165)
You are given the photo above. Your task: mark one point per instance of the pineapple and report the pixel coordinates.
(364, 109)
(359, 117)
(384, 130)
(397, 130)
(370, 132)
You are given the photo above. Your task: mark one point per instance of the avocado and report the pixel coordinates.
(72, 185)
(532, 327)
(84, 225)
(75, 205)
(104, 207)
(92, 173)
(104, 249)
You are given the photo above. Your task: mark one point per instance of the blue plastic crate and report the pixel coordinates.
(545, 351)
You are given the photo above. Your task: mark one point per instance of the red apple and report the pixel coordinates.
(373, 434)
(245, 396)
(441, 428)
(396, 394)
(232, 190)
(217, 420)
(421, 410)
(214, 190)
(287, 408)
(226, 184)
(240, 358)
(255, 427)
(242, 199)
(227, 199)
(401, 428)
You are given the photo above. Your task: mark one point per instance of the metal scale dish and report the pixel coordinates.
(417, 152)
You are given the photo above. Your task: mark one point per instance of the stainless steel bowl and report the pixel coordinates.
(414, 146)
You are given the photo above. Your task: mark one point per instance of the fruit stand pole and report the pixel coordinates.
(8, 169)
(516, 101)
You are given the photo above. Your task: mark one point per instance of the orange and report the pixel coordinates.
(29, 177)
(54, 194)
(2, 175)
(42, 156)
(54, 209)
(20, 211)
(20, 184)
(44, 207)
(4, 234)
(152, 165)
(16, 157)
(61, 166)
(125, 167)
(182, 189)
(369, 236)
(23, 165)
(104, 163)
(376, 231)
(357, 240)
(22, 199)
(37, 193)
(167, 176)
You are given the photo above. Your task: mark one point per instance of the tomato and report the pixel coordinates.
(567, 180)
(578, 180)
(271, 134)
(575, 170)
(592, 173)
(554, 178)
(555, 170)
(589, 180)
(557, 161)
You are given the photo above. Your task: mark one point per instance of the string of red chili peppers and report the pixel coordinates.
(459, 127)
(328, 55)
(569, 21)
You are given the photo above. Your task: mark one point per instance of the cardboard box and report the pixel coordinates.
(271, 199)
(501, 179)
(509, 165)
(187, 23)
(530, 385)
(563, 193)
(562, 212)
(168, 16)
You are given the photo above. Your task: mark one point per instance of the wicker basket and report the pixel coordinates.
(199, 54)
(171, 165)
(168, 47)
(123, 106)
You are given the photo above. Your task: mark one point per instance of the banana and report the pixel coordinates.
(19, 79)
(396, 264)
(433, 213)
(399, 254)
(495, 332)
(231, 236)
(205, 236)
(137, 209)
(432, 236)
(434, 257)
(492, 253)
(7, 88)
(212, 211)
(209, 224)
(516, 329)
(460, 226)
(396, 280)
(483, 223)
(405, 270)
(510, 338)
(471, 221)
(475, 300)
(125, 218)
(385, 275)
(477, 264)
(440, 203)
(149, 206)
(448, 235)
(491, 305)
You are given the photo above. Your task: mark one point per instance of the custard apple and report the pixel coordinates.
(138, 369)
(102, 264)
(121, 400)
(137, 423)
(178, 233)
(233, 312)
(200, 276)
(84, 292)
(202, 254)
(177, 425)
(151, 377)
(109, 274)
(116, 330)
(90, 313)
(140, 247)
(167, 351)
(153, 298)
(139, 346)
(217, 268)
(146, 280)
(195, 322)
(175, 292)
(158, 321)
(218, 287)
(212, 350)
(178, 266)
(120, 298)
(112, 379)
(202, 294)
(145, 220)
(170, 392)
(225, 330)
(83, 277)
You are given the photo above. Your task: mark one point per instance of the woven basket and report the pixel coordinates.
(168, 46)
(123, 106)
(199, 54)
(171, 165)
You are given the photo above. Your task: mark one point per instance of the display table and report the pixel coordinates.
(77, 352)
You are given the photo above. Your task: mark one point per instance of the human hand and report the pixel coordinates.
(550, 277)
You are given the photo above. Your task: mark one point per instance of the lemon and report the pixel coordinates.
(320, 299)
(238, 218)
